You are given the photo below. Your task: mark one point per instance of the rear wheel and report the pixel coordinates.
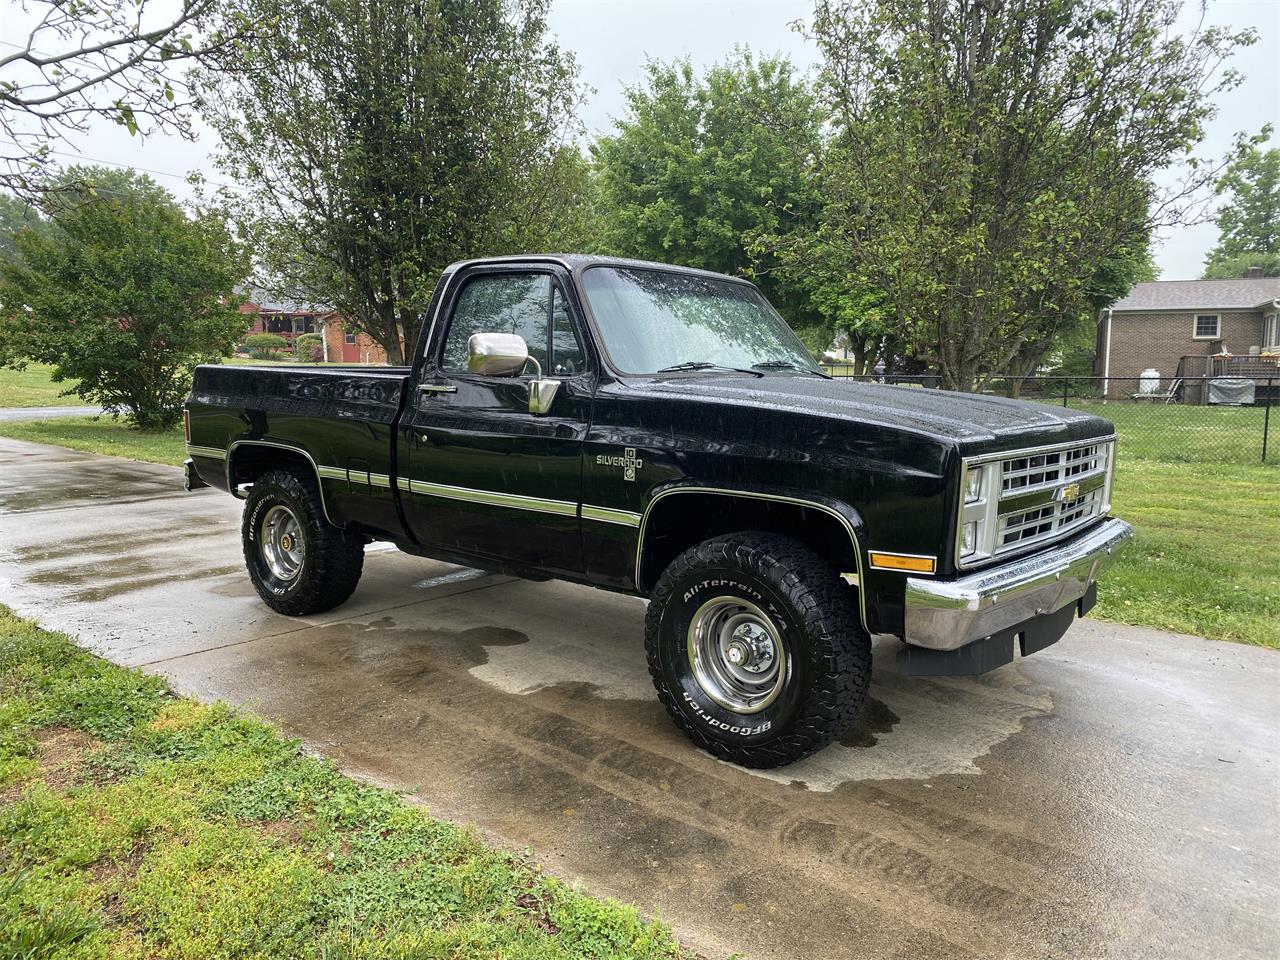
(299, 562)
(756, 649)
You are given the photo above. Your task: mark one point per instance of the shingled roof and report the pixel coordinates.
(1242, 293)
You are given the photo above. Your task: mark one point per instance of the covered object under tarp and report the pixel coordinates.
(1231, 390)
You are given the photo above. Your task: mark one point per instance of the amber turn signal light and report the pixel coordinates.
(902, 561)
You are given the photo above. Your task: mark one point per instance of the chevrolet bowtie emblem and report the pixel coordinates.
(1068, 493)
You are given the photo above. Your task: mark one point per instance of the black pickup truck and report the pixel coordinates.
(660, 431)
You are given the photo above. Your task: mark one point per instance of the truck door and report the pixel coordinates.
(480, 474)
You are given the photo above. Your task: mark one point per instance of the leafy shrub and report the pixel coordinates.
(123, 293)
(309, 348)
(265, 346)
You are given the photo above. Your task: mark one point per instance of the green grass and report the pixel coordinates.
(135, 824)
(33, 387)
(102, 435)
(1206, 555)
(1190, 434)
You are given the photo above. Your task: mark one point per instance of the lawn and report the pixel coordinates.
(102, 435)
(33, 388)
(1207, 555)
(1190, 434)
(135, 824)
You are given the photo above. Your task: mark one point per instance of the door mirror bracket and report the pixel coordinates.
(542, 393)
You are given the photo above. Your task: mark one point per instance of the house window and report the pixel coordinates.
(1270, 332)
(1208, 326)
(351, 337)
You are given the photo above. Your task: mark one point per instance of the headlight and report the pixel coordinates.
(968, 538)
(973, 485)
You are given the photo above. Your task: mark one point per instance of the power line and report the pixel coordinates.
(129, 166)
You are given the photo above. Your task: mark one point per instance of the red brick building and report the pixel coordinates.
(291, 319)
(1191, 328)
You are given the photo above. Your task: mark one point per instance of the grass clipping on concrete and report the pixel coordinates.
(134, 823)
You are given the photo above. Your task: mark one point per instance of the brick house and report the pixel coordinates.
(291, 319)
(1191, 328)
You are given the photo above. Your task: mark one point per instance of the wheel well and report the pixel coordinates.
(676, 523)
(250, 461)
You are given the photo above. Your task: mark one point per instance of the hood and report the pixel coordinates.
(972, 422)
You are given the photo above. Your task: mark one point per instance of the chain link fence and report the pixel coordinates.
(1183, 420)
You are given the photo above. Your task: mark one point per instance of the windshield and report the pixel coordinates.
(654, 320)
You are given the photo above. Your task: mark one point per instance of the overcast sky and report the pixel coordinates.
(612, 39)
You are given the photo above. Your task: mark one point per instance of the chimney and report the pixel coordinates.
(1253, 273)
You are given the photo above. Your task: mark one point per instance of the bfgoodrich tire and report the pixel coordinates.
(299, 562)
(756, 649)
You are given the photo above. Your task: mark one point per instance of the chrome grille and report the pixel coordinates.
(1021, 529)
(1030, 498)
(1036, 470)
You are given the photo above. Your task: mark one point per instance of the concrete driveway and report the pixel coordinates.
(1113, 796)
(10, 414)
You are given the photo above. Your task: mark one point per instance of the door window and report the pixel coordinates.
(501, 303)
(528, 304)
(566, 349)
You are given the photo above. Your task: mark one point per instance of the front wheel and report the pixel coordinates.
(756, 650)
(299, 562)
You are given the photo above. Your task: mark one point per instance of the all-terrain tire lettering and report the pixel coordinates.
(815, 612)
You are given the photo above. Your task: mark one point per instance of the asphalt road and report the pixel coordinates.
(1113, 796)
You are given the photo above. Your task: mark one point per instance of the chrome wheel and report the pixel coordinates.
(737, 655)
(281, 542)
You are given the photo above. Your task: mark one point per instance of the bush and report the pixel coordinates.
(309, 348)
(265, 346)
(123, 293)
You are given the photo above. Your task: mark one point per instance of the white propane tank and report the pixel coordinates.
(1149, 381)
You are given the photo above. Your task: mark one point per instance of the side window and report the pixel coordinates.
(501, 303)
(566, 349)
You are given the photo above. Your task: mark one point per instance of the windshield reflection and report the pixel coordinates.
(651, 320)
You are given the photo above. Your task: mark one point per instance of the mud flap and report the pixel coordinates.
(995, 651)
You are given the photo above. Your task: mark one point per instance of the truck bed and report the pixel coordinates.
(341, 419)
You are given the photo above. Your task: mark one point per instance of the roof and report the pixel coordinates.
(1240, 293)
(578, 262)
(267, 304)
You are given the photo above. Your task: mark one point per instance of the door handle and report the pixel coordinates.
(437, 388)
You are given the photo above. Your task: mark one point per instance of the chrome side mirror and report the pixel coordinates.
(505, 355)
(497, 354)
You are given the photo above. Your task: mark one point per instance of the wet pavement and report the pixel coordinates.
(1113, 796)
(46, 413)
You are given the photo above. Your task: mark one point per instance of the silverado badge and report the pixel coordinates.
(628, 461)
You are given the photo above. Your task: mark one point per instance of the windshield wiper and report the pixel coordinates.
(706, 365)
(790, 365)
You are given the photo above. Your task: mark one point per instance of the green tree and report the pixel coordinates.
(124, 293)
(988, 158)
(99, 59)
(379, 140)
(15, 215)
(700, 164)
(1229, 268)
(1249, 222)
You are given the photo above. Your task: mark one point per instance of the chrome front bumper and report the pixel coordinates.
(948, 614)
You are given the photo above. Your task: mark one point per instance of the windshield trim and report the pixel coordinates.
(603, 346)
